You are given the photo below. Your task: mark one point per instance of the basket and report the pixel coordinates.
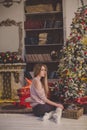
(84, 107)
(73, 114)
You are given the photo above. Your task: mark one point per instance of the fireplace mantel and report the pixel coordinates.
(10, 80)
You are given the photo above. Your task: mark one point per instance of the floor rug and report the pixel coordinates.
(11, 108)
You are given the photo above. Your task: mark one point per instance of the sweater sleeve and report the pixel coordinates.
(39, 90)
(41, 94)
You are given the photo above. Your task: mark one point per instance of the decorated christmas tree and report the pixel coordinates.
(72, 68)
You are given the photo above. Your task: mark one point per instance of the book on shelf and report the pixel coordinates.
(48, 23)
(58, 24)
(42, 38)
(38, 8)
(38, 57)
(31, 40)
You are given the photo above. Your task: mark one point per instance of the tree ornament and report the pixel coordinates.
(54, 55)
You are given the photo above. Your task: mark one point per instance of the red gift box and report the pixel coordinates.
(23, 103)
(82, 100)
(31, 24)
(24, 93)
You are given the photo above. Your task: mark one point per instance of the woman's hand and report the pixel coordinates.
(60, 106)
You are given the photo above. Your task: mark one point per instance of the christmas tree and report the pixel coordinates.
(72, 68)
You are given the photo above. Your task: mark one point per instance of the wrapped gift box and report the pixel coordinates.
(23, 103)
(25, 91)
(83, 103)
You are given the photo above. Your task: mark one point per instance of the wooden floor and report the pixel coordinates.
(30, 122)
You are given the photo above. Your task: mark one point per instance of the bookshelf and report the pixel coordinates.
(44, 33)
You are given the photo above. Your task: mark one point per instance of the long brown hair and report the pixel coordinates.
(37, 69)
